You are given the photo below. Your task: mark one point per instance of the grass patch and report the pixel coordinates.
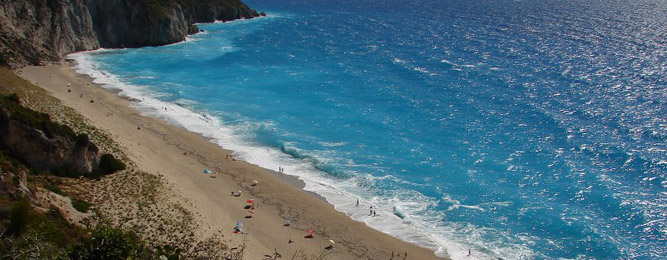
(80, 205)
(19, 215)
(53, 188)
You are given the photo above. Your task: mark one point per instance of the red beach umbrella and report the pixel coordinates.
(310, 231)
(250, 201)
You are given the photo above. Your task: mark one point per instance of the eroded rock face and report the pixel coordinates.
(126, 23)
(35, 31)
(35, 149)
(32, 31)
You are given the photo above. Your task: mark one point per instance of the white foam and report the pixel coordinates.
(332, 144)
(242, 20)
(419, 224)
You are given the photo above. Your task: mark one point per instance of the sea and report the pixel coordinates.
(513, 129)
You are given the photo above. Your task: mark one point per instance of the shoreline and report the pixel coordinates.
(311, 179)
(280, 196)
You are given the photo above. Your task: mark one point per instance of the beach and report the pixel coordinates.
(180, 156)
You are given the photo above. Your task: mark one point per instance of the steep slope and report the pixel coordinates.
(35, 31)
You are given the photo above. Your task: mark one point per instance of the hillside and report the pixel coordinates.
(39, 31)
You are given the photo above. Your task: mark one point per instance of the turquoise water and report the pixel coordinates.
(519, 129)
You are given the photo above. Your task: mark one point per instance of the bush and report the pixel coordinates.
(19, 216)
(80, 205)
(13, 98)
(109, 164)
(110, 243)
(53, 188)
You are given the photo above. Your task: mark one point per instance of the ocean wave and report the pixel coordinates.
(406, 214)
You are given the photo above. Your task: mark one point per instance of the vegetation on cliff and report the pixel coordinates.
(44, 145)
(28, 230)
(56, 217)
(42, 121)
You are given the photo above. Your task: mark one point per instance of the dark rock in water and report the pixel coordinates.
(262, 13)
(192, 29)
(34, 31)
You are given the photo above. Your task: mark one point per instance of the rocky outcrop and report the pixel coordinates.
(205, 11)
(133, 24)
(71, 155)
(31, 31)
(35, 31)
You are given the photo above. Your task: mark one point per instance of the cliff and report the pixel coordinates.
(32, 138)
(36, 31)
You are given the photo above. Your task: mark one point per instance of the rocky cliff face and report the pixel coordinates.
(35, 31)
(31, 31)
(35, 148)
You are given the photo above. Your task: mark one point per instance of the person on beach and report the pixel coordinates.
(357, 203)
(374, 213)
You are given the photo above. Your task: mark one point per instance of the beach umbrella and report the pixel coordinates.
(239, 224)
(310, 231)
(207, 171)
(332, 242)
(250, 201)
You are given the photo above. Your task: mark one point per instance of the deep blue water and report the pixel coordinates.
(520, 129)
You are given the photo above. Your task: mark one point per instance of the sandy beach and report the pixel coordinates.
(180, 156)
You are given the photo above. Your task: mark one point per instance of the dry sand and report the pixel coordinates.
(159, 147)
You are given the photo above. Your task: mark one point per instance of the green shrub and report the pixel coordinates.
(13, 98)
(19, 216)
(80, 205)
(53, 188)
(110, 243)
(109, 164)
